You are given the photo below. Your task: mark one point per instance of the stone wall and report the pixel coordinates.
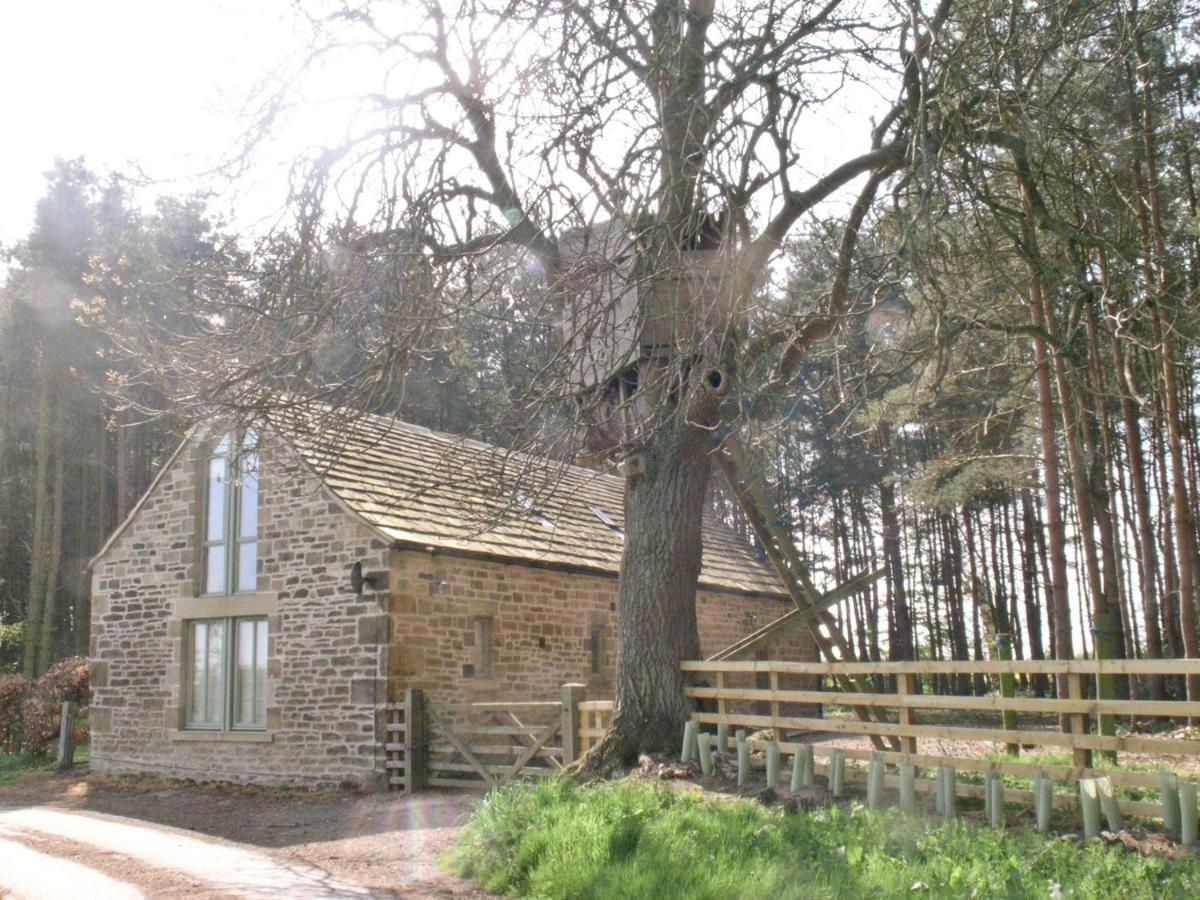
(541, 627)
(326, 647)
(332, 656)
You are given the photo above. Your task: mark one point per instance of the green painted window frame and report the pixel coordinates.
(234, 449)
(229, 684)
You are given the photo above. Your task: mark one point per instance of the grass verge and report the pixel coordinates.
(14, 767)
(642, 840)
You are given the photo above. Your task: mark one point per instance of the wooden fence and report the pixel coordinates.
(731, 695)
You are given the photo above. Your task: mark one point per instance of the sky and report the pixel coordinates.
(158, 86)
(125, 83)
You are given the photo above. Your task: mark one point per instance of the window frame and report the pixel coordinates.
(229, 687)
(232, 447)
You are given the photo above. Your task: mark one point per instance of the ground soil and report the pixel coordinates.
(387, 843)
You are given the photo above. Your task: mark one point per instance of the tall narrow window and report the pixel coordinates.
(483, 647)
(231, 517)
(250, 679)
(227, 677)
(206, 703)
(597, 650)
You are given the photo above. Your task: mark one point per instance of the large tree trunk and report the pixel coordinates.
(660, 568)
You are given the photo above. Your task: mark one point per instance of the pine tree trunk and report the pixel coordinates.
(39, 549)
(902, 645)
(46, 652)
(1029, 571)
(1056, 533)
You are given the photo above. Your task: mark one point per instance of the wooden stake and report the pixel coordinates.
(1007, 689)
(572, 695)
(66, 736)
(1104, 644)
(1081, 756)
(416, 744)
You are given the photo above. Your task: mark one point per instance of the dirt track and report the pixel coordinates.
(166, 839)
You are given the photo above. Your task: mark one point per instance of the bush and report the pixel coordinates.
(29, 709)
(67, 679)
(14, 691)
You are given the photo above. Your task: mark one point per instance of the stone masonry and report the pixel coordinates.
(325, 654)
(334, 657)
(542, 621)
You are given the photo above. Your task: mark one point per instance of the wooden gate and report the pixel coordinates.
(485, 745)
(479, 746)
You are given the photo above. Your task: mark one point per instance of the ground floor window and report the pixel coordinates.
(227, 674)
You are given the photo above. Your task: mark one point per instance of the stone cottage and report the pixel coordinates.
(229, 641)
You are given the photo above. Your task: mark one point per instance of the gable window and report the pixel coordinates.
(230, 564)
(227, 674)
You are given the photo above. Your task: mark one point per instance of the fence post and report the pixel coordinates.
(66, 736)
(1104, 642)
(1008, 686)
(572, 695)
(906, 684)
(1081, 757)
(416, 747)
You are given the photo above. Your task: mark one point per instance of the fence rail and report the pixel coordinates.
(1090, 719)
(481, 745)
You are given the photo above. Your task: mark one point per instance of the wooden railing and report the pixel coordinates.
(593, 719)
(725, 698)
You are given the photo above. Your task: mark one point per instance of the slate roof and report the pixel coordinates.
(425, 488)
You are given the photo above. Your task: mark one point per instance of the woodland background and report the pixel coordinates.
(1005, 418)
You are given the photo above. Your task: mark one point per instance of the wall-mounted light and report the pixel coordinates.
(359, 579)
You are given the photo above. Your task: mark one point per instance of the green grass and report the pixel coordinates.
(639, 840)
(15, 767)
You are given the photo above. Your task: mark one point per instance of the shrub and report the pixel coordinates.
(14, 690)
(67, 679)
(12, 640)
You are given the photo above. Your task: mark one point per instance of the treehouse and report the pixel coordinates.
(628, 301)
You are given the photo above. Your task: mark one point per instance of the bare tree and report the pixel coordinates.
(627, 172)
